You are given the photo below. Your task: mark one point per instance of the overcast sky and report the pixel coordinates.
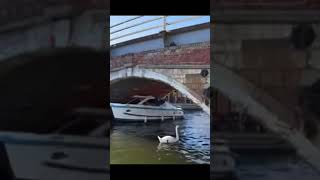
(117, 19)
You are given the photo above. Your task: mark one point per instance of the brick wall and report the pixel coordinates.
(181, 55)
(190, 55)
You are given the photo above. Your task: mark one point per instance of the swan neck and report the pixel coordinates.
(177, 134)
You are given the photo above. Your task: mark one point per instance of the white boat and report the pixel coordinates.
(145, 108)
(58, 156)
(222, 161)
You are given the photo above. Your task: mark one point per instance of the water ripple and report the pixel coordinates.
(141, 139)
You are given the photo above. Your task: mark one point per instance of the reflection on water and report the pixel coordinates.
(274, 166)
(137, 143)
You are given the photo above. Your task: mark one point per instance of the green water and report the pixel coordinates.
(142, 152)
(138, 143)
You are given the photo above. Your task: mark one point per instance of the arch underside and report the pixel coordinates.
(41, 89)
(267, 110)
(123, 74)
(124, 89)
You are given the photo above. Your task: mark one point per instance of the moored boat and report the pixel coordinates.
(78, 150)
(50, 157)
(145, 108)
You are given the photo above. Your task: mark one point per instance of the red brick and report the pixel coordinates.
(182, 55)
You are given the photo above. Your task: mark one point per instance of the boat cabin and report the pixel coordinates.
(146, 100)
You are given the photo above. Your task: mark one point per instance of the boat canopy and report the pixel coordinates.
(146, 100)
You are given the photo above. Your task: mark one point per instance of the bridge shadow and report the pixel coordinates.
(40, 90)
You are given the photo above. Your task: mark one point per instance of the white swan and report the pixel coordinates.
(170, 139)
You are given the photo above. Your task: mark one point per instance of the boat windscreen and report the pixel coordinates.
(154, 102)
(134, 101)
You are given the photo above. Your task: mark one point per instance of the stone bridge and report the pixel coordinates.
(41, 43)
(253, 62)
(258, 64)
(159, 63)
(52, 62)
(158, 72)
(39, 25)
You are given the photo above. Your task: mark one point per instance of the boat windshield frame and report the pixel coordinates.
(134, 99)
(156, 102)
(141, 99)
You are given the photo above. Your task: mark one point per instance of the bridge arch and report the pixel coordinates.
(49, 84)
(149, 74)
(267, 110)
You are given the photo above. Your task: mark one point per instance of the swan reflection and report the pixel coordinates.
(162, 146)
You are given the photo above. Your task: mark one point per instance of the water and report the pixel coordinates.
(275, 166)
(137, 143)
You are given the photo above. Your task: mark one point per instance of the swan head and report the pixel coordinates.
(177, 126)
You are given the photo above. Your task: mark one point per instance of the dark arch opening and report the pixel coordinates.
(40, 90)
(123, 89)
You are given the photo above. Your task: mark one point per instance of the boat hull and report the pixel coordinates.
(31, 156)
(136, 113)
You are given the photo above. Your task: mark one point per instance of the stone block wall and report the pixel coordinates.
(191, 78)
(263, 55)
